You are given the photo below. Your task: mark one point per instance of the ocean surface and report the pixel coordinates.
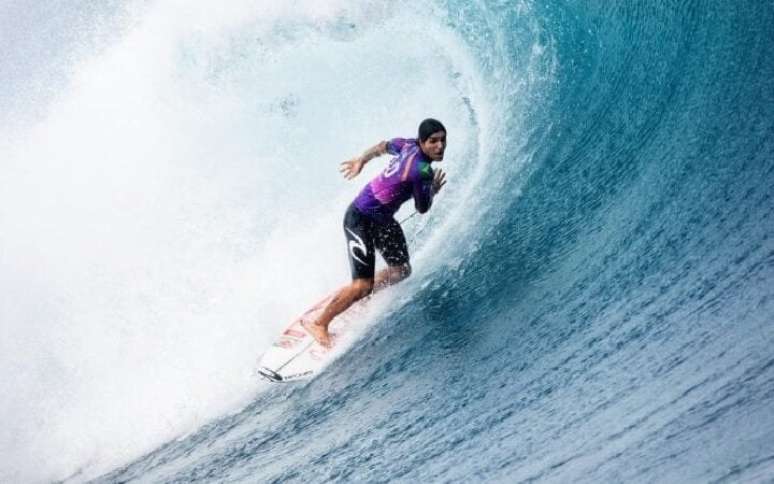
(593, 291)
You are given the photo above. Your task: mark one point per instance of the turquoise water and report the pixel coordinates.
(592, 300)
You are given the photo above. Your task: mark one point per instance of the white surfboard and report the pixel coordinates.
(296, 355)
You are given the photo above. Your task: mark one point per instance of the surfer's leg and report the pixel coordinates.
(344, 298)
(359, 231)
(391, 275)
(391, 243)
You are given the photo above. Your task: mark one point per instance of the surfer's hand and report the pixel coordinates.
(439, 180)
(351, 168)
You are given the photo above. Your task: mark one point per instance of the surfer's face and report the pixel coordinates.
(434, 146)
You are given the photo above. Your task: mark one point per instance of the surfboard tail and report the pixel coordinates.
(274, 377)
(296, 355)
(269, 374)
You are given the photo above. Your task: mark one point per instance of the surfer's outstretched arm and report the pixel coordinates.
(351, 168)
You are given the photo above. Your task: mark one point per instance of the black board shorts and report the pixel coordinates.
(364, 235)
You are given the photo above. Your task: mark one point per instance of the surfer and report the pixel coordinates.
(369, 222)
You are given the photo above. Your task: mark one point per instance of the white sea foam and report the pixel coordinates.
(180, 202)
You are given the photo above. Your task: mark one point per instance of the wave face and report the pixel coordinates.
(592, 299)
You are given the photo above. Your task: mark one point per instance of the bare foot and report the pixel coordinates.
(319, 333)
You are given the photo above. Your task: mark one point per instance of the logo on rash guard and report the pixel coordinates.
(356, 245)
(392, 168)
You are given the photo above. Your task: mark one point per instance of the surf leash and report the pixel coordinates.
(405, 219)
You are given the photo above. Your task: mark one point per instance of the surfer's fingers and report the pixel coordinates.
(350, 166)
(347, 169)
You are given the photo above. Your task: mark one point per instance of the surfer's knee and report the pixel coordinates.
(403, 271)
(363, 287)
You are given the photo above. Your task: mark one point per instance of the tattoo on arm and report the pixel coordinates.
(374, 151)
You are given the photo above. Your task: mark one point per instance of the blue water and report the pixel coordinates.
(600, 304)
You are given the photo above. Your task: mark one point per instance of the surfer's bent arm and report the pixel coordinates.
(423, 195)
(351, 168)
(428, 183)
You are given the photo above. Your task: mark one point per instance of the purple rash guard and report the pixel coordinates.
(408, 174)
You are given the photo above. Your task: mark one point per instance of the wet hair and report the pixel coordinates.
(428, 127)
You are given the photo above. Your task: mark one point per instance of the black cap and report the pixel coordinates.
(428, 127)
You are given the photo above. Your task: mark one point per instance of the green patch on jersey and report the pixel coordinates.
(425, 171)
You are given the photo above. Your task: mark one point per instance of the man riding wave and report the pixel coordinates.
(369, 223)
